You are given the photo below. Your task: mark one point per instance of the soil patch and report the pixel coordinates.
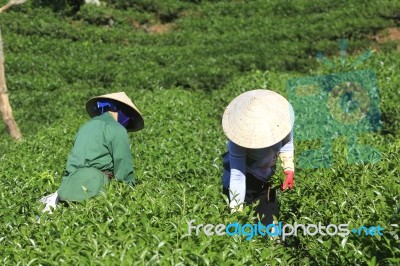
(160, 28)
(389, 35)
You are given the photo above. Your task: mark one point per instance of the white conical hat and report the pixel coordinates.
(258, 119)
(127, 106)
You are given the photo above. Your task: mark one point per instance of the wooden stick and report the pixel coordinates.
(5, 107)
(10, 4)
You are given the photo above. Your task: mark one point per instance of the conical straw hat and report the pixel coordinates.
(127, 106)
(258, 119)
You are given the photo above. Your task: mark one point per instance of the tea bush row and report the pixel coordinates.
(206, 45)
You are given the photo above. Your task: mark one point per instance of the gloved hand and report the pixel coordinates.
(289, 181)
(50, 201)
(235, 206)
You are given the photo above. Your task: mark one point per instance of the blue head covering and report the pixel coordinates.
(105, 106)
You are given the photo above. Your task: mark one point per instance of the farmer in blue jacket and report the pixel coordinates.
(101, 149)
(259, 126)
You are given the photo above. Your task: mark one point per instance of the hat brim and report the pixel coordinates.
(136, 122)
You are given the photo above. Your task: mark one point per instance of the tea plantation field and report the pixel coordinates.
(182, 62)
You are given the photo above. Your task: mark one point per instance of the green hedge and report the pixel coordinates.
(208, 44)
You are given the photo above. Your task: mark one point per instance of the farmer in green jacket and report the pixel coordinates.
(101, 149)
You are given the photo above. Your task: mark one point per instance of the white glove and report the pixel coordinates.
(235, 206)
(50, 201)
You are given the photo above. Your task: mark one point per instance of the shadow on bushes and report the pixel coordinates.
(67, 7)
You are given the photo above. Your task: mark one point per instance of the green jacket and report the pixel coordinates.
(102, 143)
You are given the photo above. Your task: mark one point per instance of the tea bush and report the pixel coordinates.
(206, 44)
(181, 81)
